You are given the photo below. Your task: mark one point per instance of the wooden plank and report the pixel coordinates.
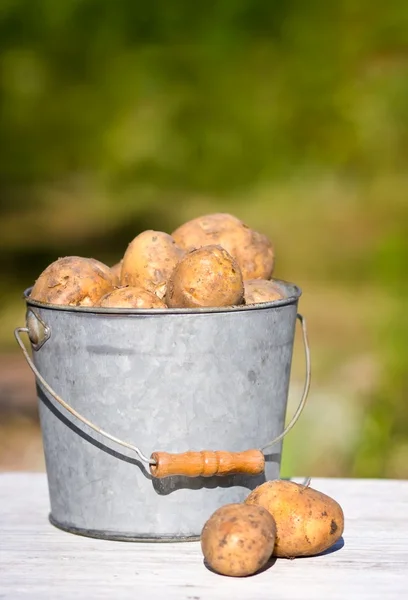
(39, 561)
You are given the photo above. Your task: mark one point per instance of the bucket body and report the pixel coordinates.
(164, 380)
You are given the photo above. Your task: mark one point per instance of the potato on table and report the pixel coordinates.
(131, 297)
(207, 277)
(252, 250)
(149, 261)
(307, 521)
(73, 281)
(238, 539)
(261, 290)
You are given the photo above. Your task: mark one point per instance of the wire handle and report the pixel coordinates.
(69, 408)
(183, 466)
(306, 387)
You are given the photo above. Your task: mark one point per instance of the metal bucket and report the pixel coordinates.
(174, 380)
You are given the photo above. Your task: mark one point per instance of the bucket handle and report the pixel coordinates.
(206, 463)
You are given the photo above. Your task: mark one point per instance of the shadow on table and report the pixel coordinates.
(266, 567)
(337, 546)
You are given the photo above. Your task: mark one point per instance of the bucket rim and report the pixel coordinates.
(292, 289)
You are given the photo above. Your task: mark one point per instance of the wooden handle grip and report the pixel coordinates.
(207, 463)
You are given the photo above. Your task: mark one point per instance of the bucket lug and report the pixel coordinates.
(38, 331)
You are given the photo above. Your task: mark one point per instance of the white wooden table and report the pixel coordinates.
(39, 561)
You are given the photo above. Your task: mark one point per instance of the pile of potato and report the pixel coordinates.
(279, 518)
(211, 261)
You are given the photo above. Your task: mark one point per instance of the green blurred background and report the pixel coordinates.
(119, 116)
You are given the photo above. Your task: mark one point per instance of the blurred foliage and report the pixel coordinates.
(121, 116)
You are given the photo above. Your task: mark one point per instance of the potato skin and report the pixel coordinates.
(261, 290)
(307, 521)
(73, 281)
(149, 261)
(207, 277)
(116, 270)
(238, 540)
(131, 297)
(252, 250)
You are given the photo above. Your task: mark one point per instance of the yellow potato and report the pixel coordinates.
(207, 277)
(149, 261)
(251, 249)
(131, 297)
(116, 270)
(237, 540)
(73, 281)
(261, 290)
(307, 521)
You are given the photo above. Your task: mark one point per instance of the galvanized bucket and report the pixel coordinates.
(191, 387)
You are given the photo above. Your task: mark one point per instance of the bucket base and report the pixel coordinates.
(120, 537)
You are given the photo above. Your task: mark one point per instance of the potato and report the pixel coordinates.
(73, 281)
(307, 521)
(237, 540)
(116, 270)
(261, 290)
(208, 276)
(252, 250)
(149, 261)
(131, 297)
(100, 265)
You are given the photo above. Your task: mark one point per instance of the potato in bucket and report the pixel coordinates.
(131, 297)
(209, 277)
(73, 281)
(149, 261)
(262, 290)
(252, 250)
